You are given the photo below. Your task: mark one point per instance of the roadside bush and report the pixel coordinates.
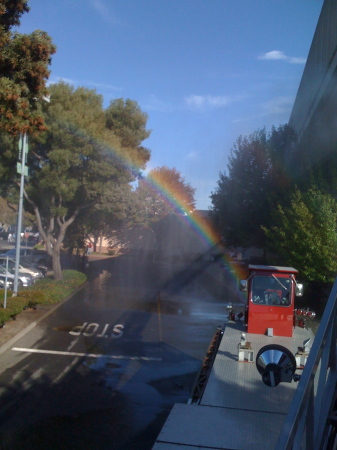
(16, 304)
(33, 296)
(5, 315)
(44, 292)
(53, 291)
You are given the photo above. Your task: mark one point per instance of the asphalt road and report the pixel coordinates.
(104, 370)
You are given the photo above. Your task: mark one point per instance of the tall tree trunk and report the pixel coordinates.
(53, 240)
(57, 269)
(95, 239)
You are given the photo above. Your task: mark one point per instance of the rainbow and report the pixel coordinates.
(200, 224)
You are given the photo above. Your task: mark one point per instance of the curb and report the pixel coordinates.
(12, 341)
(26, 330)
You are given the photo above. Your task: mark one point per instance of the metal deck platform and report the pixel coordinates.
(237, 410)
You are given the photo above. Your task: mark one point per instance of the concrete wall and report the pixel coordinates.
(314, 114)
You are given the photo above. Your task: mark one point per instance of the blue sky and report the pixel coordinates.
(205, 71)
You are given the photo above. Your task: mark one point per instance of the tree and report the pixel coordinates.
(241, 199)
(282, 145)
(104, 220)
(305, 235)
(164, 191)
(112, 215)
(255, 180)
(128, 123)
(73, 164)
(24, 60)
(323, 174)
(7, 214)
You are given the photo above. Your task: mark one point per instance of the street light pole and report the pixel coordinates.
(22, 169)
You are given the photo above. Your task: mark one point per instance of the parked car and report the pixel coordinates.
(31, 255)
(24, 279)
(23, 268)
(25, 261)
(33, 239)
(10, 282)
(3, 233)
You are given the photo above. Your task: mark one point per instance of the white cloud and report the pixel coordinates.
(248, 118)
(85, 83)
(274, 55)
(106, 12)
(207, 101)
(57, 79)
(278, 105)
(277, 55)
(102, 86)
(155, 104)
(194, 102)
(294, 60)
(192, 155)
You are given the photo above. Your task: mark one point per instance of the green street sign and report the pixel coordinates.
(20, 145)
(19, 169)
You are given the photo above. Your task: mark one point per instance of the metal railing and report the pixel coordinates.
(311, 422)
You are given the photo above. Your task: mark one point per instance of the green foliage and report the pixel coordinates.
(73, 278)
(305, 235)
(5, 315)
(7, 214)
(164, 191)
(33, 296)
(50, 291)
(256, 178)
(81, 165)
(241, 199)
(104, 218)
(10, 13)
(323, 174)
(79, 159)
(128, 123)
(24, 61)
(45, 292)
(17, 304)
(253, 204)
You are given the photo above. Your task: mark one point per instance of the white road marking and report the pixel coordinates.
(86, 355)
(34, 376)
(66, 370)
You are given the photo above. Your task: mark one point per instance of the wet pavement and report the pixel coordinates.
(105, 367)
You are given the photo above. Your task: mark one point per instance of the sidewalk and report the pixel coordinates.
(25, 321)
(28, 319)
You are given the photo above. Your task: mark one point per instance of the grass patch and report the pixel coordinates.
(44, 292)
